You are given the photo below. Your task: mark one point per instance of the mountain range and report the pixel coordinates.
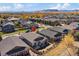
(44, 11)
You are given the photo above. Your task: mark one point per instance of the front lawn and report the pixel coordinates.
(16, 32)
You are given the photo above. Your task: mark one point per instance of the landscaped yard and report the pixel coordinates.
(1, 33)
(16, 32)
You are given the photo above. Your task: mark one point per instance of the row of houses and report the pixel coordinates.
(19, 45)
(63, 16)
(51, 19)
(48, 21)
(9, 25)
(54, 33)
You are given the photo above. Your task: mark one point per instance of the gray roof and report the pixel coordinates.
(13, 18)
(63, 19)
(23, 22)
(9, 43)
(9, 23)
(58, 29)
(52, 19)
(0, 28)
(31, 36)
(68, 27)
(48, 33)
(74, 24)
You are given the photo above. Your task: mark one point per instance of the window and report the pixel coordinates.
(39, 38)
(39, 44)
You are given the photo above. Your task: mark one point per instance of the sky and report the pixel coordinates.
(29, 7)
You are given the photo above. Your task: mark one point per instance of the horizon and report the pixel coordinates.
(31, 7)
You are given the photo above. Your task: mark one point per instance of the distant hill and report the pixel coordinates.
(43, 11)
(55, 10)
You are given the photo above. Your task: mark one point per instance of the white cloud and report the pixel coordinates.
(56, 7)
(9, 8)
(5, 8)
(18, 6)
(61, 7)
(65, 5)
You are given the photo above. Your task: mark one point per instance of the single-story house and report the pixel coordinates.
(75, 25)
(12, 19)
(8, 27)
(0, 29)
(59, 29)
(68, 27)
(51, 35)
(34, 40)
(13, 46)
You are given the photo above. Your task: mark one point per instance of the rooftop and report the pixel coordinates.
(57, 28)
(31, 36)
(11, 42)
(48, 33)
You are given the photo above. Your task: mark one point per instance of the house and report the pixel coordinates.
(68, 27)
(8, 27)
(0, 29)
(50, 21)
(75, 25)
(12, 19)
(24, 23)
(32, 19)
(13, 46)
(51, 35)
(59, 29)
(34, 40)
(35, 19)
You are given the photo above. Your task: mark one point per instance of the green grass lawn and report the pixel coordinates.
(41, 28)
(16, 32)
(1, 33)
(77, 33)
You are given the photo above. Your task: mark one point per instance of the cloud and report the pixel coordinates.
(31, 7)
(56, 7)
(61, 7)
(65, 5)
(15, 7)
(5, 8)
(18, 6)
